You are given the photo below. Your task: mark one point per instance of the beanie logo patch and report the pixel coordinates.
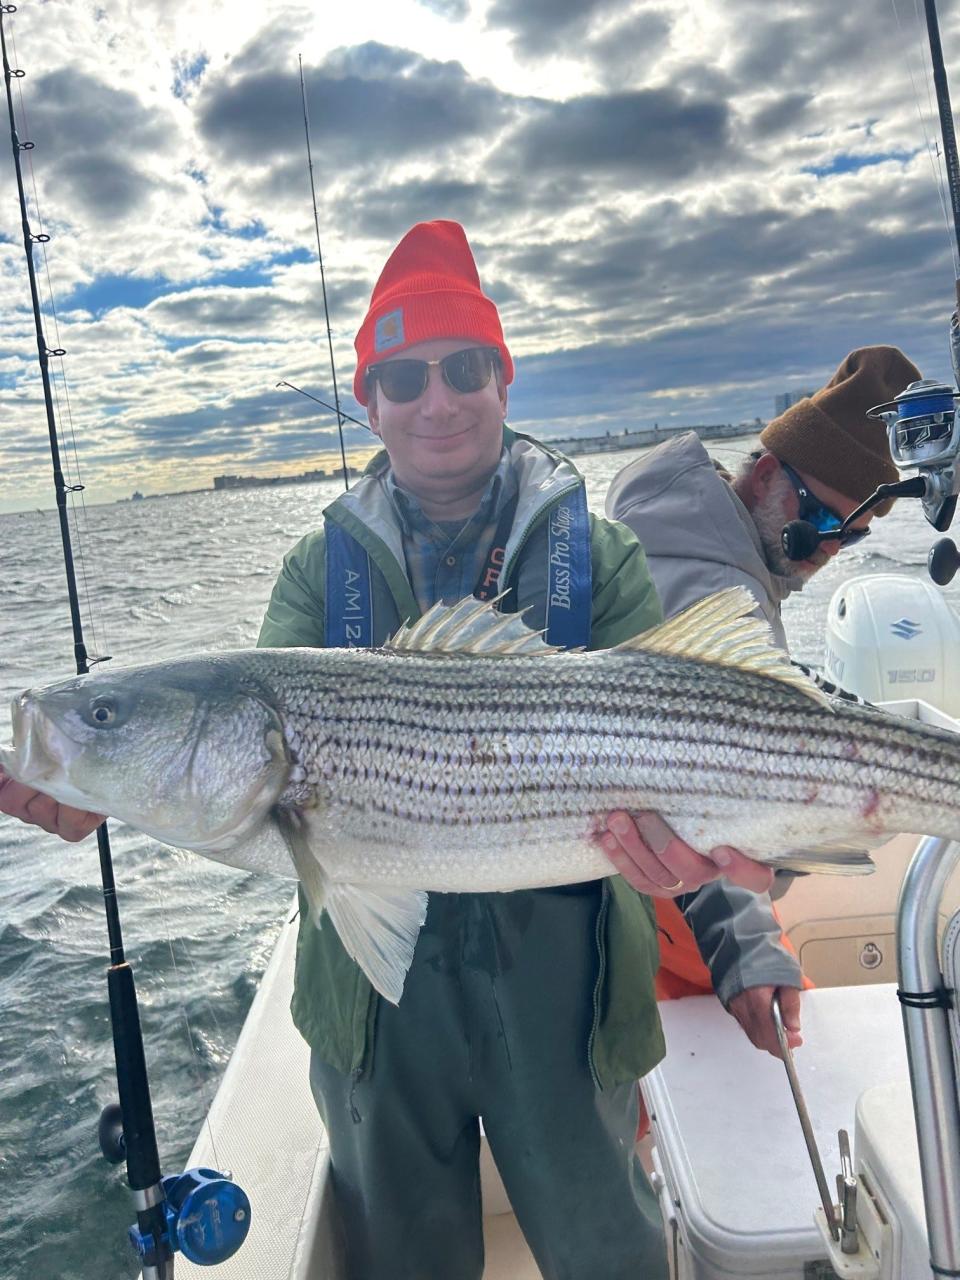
(388, 331)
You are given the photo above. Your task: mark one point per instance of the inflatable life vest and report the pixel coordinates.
(349, 598)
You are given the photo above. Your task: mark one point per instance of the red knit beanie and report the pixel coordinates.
(428, 289)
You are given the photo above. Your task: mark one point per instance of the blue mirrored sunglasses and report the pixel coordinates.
(823, 518)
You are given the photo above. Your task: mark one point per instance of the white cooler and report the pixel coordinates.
(731, 1166)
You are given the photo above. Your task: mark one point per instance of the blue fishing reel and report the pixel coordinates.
(207, 1217)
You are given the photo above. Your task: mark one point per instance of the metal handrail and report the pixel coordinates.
(933, 1079)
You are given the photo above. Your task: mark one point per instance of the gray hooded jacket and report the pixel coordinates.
(699, 538)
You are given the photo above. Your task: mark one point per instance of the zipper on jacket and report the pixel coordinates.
(532, 524)
(598, 985)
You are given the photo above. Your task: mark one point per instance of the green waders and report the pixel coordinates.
(494, 1022)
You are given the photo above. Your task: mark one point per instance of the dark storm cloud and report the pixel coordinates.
(713, 371)
(90, 135)
(651, 131)
(671, 269)
(208, 355)
(369, 103)
(232, 312)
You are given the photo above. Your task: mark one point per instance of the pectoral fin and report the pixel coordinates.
(379, 929)
(377, 926)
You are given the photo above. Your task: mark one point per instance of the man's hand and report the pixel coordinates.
(19, 801)
(655, 861)
(752, 1009)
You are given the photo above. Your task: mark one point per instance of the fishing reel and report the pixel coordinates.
(923, 432)
(207, 1218)
(206, 1215)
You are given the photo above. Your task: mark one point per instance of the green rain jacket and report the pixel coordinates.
(334, 1007)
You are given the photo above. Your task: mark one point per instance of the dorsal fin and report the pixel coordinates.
(469, 626)
(719, 629)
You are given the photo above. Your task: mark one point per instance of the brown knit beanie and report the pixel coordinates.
(829, 436)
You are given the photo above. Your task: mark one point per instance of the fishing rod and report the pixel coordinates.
(198, 1212)
(923, 426)
(346, 416)
(323, 282)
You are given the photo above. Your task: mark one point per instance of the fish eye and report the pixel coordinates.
(103, 711)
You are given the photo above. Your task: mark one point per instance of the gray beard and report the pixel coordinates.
(768, 516)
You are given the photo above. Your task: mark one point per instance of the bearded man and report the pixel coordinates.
(704, 530)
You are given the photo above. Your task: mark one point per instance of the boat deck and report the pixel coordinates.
(264, 1128)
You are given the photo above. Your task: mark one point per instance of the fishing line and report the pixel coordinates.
(76, 489)
(205, 1098)
(935, 160)
(323, 283)
(931, 105)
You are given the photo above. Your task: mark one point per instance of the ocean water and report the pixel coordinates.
(163, 577)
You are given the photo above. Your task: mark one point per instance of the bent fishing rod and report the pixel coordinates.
(199, 1212)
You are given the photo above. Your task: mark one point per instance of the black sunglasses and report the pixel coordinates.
(823, 518)
(465, 371)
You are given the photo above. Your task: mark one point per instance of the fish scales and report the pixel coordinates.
(535, 745)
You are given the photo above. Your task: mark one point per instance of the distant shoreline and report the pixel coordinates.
(573, 446)
(610, 443)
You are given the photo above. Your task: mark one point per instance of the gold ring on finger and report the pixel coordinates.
(672, 888)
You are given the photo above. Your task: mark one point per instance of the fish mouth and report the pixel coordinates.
(40, 754)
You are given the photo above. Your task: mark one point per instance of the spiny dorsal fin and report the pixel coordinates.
(719, 629)
(469, 626)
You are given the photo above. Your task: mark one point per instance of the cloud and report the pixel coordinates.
(785, 111)
(95, 135)
(367, 105)
(656, 132)
(677, 208)
(541, 27)
(452, 9)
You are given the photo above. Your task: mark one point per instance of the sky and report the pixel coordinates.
(682, 208)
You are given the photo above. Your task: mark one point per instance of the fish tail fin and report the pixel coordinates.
(831, 860)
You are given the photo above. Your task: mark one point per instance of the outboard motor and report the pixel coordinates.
(891, 637)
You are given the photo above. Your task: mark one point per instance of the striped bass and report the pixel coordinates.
(467, 755)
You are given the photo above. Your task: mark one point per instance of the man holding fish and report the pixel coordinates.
(533, 1009)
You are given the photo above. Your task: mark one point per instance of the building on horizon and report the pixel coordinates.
(260, 482)
(783, 402)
